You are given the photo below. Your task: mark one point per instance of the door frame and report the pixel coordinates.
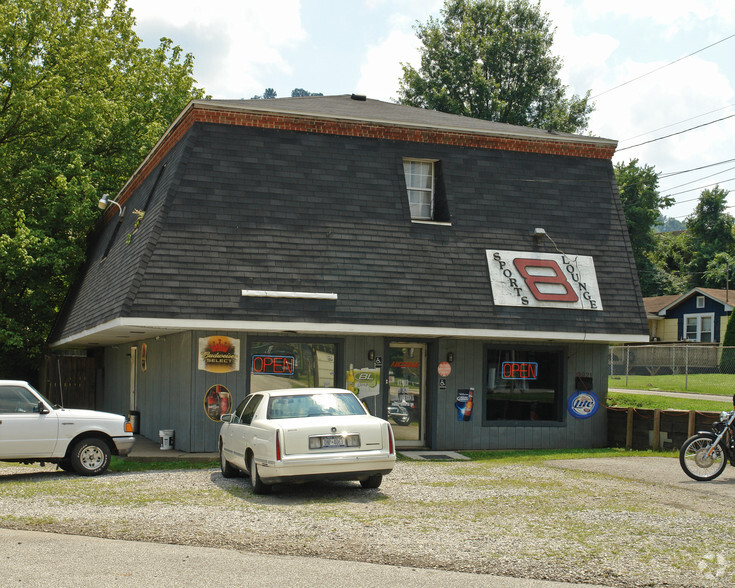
(424, 404)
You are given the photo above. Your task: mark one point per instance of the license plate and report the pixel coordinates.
(333, 441)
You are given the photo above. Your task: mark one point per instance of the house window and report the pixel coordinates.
(420, 187)
(524, 384)
(700, 301)
(699, 327)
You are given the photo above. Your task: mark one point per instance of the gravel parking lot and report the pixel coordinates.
(613, 521)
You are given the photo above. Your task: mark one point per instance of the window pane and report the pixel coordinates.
(691, 329)
(275, 365)
(420, 186)
(523, 385)
(706, 331)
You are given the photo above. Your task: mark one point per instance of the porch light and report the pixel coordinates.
(105, 201)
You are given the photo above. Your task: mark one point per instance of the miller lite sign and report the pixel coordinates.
(550, 280)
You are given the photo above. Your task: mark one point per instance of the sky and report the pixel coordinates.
(683, 49)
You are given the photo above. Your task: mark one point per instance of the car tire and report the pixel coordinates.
(65, 465)
(90, 457)
(259, 487)
(372, 481)
(228, 470)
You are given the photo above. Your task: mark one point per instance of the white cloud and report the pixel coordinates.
(674, 16)
(236, 43)
(381, 67)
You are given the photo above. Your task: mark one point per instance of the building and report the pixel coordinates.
(464, 277)
(700, 315)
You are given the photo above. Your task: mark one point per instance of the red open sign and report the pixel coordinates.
(280, 365)
(519, 370)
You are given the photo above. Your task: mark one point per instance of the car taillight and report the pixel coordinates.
(278, 446)
(391, 448)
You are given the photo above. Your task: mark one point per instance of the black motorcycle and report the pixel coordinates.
(704, 456)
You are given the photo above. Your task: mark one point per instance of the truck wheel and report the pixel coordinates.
(90, 457)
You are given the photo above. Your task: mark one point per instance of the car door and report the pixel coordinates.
(25, 431)
(240, 434)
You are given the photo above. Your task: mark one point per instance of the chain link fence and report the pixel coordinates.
(677, 359)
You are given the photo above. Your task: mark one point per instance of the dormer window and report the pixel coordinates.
(420, 187)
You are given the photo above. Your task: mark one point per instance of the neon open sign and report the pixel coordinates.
(519, 370)
(281, 365)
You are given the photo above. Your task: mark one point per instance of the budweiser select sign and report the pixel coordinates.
(523, 278)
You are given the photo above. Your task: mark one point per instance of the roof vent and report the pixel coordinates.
(359, 97)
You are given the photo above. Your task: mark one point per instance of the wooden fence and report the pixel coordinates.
(665, 430)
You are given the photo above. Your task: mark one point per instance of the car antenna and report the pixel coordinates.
(61, 388)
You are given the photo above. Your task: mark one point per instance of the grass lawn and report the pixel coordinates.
(723, 384)
(625, 399)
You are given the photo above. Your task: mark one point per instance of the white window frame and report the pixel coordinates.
(700, 301)
(415, 215)
(699, 317)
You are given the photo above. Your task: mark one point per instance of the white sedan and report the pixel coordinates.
(299, 435)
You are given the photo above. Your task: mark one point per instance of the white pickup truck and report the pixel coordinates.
(33, 430)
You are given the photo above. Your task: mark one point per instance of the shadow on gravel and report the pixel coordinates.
(33, 476)
(323, 492)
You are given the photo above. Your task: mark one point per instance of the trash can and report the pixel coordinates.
(134, 418)
(167, 438)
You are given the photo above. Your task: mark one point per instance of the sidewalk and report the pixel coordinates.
(147, 450)
(690, 396)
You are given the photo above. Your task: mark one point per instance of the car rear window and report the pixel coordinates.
(312, 405)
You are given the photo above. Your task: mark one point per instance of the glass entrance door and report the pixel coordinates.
(406, 392)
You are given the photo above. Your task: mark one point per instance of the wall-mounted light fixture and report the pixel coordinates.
(450, 357)
(538, 234)
(371, 355)
(105, 201)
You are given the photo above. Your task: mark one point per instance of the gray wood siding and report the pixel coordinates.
(163, 387)
(468, 371)
(204, 431)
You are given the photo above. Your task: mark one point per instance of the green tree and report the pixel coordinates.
(670, 258)
(710, 231)
(269, 94)
(727, 359)
(81, 103)
(642, 204)
(300, 92)
(492, 59)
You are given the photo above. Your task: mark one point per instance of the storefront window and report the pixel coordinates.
(279, 364)
(523, 385)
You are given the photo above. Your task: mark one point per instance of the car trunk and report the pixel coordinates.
(296, 433)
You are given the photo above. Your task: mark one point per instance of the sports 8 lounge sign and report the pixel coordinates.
(521, 278)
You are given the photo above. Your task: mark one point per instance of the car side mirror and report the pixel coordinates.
(42, 408)
(227, 418)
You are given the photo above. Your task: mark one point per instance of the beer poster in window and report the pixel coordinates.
(219, 354)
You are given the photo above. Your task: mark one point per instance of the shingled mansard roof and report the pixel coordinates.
(309, 195)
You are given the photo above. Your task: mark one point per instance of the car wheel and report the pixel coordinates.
(228, 470)
(259, 487)
(372, 481)
(90, 457)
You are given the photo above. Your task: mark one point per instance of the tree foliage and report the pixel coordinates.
(270, 94)
(710, 232)
(642, 204)
(492, 59)
(81, 104)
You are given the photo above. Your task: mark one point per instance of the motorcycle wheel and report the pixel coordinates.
(696, 462)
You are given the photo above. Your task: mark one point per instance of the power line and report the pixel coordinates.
(677, 123)
(700, 179)
(678, 133)
(686, 171)
(662, 67)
